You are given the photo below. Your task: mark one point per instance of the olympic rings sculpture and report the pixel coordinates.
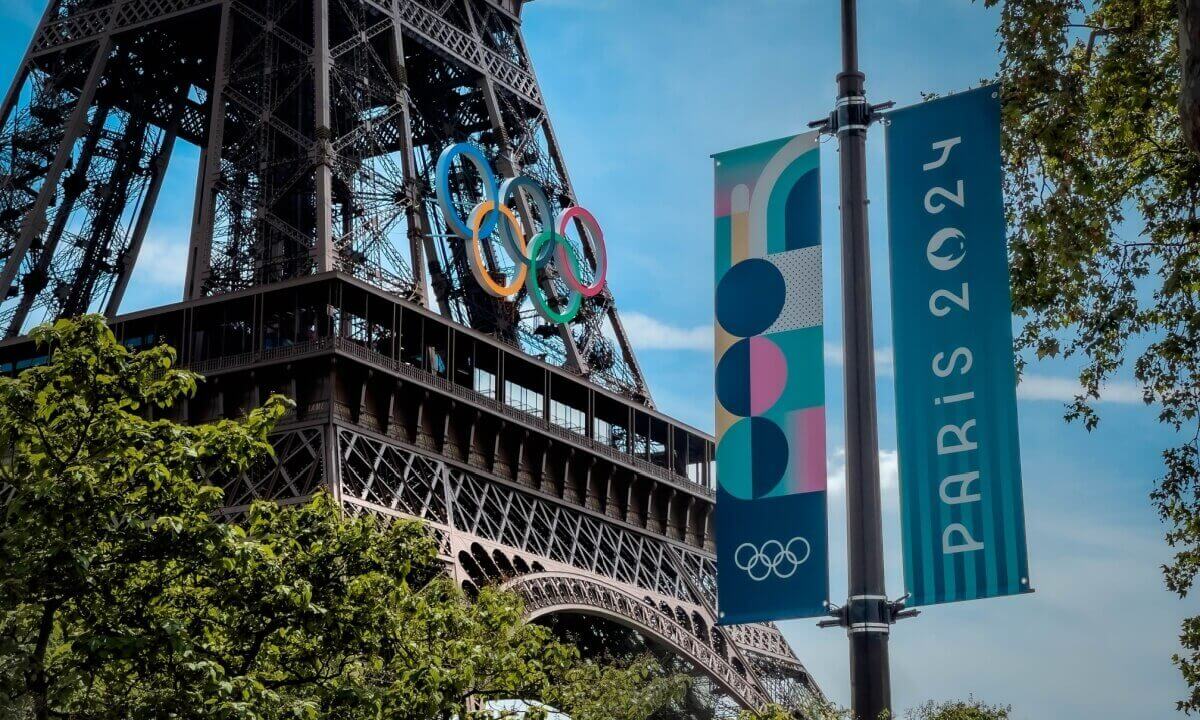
(550, 246)
(773, 558)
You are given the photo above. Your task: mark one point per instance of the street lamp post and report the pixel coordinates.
(867, 615)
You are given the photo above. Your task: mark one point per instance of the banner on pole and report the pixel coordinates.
(771, 528)
(962, 515)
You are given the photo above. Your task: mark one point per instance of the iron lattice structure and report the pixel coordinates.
(320, 267)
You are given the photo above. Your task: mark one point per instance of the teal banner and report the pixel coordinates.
(771, 528)
(962, 515)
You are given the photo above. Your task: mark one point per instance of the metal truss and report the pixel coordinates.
(296, 471)
(84, 143)
(568, 559)
(498, 57)
(391, 476)
(259, 204)
(320, 122)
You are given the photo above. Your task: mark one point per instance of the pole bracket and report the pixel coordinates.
(868, 614)
(851, 113)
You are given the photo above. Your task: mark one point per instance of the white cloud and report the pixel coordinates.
(1064, 389)
(889, 470)
(834, 355)
(647, 333)
(161, 263)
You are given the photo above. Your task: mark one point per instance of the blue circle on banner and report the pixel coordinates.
(750, 297)
(751, 376)
(753, 456)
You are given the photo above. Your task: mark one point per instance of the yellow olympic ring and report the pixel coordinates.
(479, 267)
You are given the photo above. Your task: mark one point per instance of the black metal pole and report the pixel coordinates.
(867, 612)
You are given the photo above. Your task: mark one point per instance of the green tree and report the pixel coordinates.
(1102, 192)
(607, 642)
(820, 709)
(123, 596)
(970, 709)
(771, 712)
(1189, 67)
(104, 503)
(808, 708)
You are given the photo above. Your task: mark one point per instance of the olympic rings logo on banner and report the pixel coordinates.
(529, 255)
(773, 558)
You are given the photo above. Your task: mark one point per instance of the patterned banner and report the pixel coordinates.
(962, 516)
(771, 529)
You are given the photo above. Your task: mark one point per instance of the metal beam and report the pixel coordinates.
(73, 187)
(322, 149)
(200, 245)
(35, 220)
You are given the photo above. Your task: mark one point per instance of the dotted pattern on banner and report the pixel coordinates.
(802, 307)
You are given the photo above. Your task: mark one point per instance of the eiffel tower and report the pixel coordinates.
(320, 266)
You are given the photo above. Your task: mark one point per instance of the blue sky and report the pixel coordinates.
(641, 94)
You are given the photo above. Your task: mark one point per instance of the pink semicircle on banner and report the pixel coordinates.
(768, 374)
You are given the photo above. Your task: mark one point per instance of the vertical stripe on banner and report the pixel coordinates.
(772, 539)
(962, 516)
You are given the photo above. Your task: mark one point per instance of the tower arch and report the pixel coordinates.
(547, 593)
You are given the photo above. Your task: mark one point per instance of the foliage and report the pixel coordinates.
(770, 712)
(820, 709)
(624, 692)
(970, 709)
(810, 708)
(607, 642)
(105, 509)
(124, 596)
(1102, 196)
